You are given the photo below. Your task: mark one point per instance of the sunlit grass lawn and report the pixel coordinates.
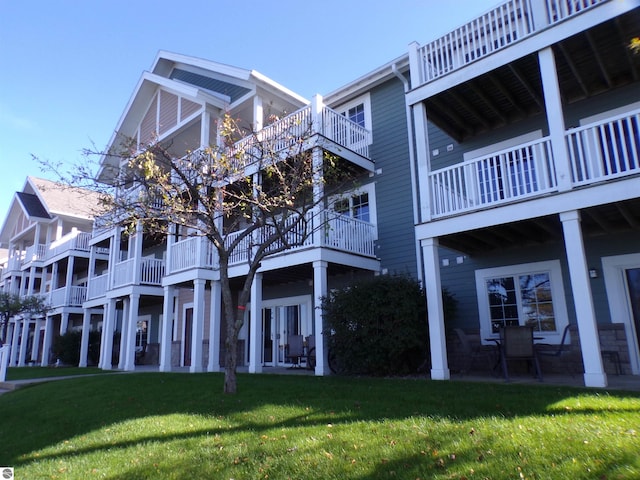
(157, 426)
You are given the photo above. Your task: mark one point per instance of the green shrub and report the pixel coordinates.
(377, 327)
(66, 348)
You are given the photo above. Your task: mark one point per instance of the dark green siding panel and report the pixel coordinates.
(394, 202)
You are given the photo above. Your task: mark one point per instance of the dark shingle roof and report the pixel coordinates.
(32, 205)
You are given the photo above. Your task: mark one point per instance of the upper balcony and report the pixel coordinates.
(598, 152)
(320, 125)
(496, 30)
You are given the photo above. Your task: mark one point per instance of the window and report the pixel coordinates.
(356, 206)
(528, 294)
(359, 204)
(358, 111)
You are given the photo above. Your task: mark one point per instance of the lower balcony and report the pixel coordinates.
(72, 296)
(337, 231)
(597, 152)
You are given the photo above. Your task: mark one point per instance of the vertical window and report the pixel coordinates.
(356, 114)
(356, 206)
(529, 294)
(521, 300)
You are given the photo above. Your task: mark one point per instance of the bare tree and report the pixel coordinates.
(258, 193)
(12, 305)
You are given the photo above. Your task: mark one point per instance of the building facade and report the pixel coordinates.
(500, 162)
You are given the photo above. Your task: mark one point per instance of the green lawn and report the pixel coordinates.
(28, 373)
(157, 426)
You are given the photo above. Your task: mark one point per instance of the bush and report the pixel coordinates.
(66, 348)
(377, 327)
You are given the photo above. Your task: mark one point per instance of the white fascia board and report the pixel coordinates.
(280, 90)
(531, 44)
(366, 82)
(578, 199)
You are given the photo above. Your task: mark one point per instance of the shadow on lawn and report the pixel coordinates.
(43, 415)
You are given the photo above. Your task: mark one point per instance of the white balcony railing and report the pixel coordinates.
(600, 151)
(151, 272)
(193, 252)
(502, 26)
(301, 124)
(97, 286)
(72, 296)
(606, 149)
(75, 240)
(335, 231)
(34, 253)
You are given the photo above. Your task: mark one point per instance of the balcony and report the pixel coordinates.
(190, 253)
(72, 296)
(601, 151)
(497, 29)
(35, 253)
(335, 231)
(78, 241)
(303, 123)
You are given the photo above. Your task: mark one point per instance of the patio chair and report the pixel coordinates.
(295, 350)
(516, 343)
(311, 352)
(473, 352)
(562, 351)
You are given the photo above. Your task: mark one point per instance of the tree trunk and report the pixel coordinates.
(231, 360)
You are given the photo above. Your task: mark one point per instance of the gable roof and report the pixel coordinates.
(65, 200)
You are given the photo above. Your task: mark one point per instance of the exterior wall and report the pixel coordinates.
(394, 203)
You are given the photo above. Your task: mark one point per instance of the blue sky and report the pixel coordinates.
(70, 66)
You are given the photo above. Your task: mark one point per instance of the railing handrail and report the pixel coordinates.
(496, 29)
(604, 121)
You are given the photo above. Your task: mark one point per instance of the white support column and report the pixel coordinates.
(137, 254)
(130, 344)
(17, 326)
(258, 113)
(320, 289)
(64, 323)
(415, 63)
(68, 280)
(108, 329)
(22, 354)
(46, 343)
(197, 326)
(35, 347)
(255, 326)
(31, 280)
(555, 117)
(435, 311)
(594, 375)
(166, 336)
(84, 341)
(422, 161)
(215, 316)
(124, 333)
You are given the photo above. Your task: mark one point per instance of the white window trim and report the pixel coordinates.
(365, 100)
(557, 289)
(618, 298)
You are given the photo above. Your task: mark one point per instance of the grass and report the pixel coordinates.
(175, 426)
